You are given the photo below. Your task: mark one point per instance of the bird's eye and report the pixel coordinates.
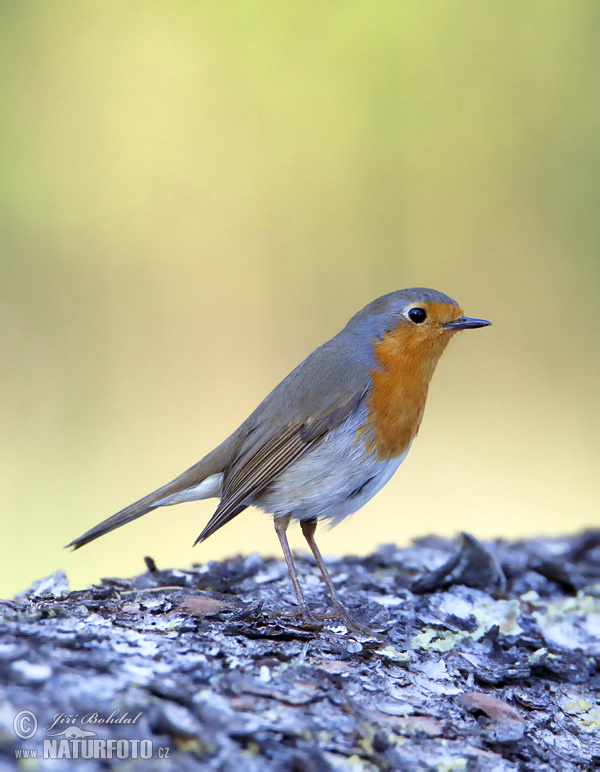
(417, 315)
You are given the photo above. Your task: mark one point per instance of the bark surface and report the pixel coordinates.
(491, 663)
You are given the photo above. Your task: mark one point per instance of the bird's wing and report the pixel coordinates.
(267, 452)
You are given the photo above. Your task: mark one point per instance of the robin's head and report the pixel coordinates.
(416, 322)
(400, 338)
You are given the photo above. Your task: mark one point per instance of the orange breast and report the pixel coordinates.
(407, 358)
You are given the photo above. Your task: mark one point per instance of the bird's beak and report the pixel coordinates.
(466, 323)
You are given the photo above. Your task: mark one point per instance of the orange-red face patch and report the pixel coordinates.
(406, 357)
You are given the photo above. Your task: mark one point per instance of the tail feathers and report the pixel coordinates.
(184, 488)
(132, 512)
(201, 481)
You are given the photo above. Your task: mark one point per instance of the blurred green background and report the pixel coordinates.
(194, 195)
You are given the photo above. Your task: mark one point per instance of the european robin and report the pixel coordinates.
(330, 435)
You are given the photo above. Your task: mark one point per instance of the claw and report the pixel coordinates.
(342, 614)
(315, 621)
(304, 613)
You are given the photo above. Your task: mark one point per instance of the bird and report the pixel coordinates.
(327, 438)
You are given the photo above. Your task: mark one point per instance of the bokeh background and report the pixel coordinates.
(194, 195)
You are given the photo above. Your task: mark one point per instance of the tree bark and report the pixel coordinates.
(490, 662)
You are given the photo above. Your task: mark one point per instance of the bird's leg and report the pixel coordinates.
(308, 529)
(281, 525)
(340, 612)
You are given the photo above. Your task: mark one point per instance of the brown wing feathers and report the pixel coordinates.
(262, 467)
(256, 475)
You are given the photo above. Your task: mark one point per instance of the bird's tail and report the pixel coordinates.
(132, 512)
(201, 481)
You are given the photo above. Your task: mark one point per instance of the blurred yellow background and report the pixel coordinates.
(194, 195)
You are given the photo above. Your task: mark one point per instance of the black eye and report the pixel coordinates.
(417, 315)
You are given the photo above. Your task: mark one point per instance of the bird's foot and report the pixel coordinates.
(316, 621)
(342, 614)
(304, 613)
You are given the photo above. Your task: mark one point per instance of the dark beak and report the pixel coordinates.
(466, 323)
